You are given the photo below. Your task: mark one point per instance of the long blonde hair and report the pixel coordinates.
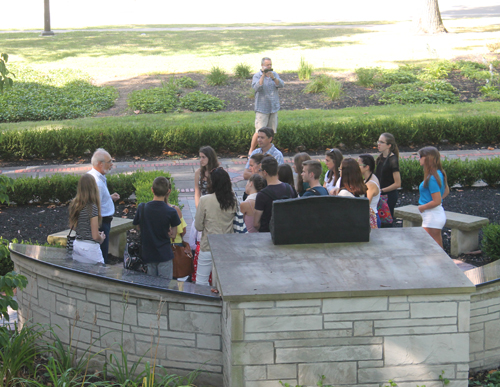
(86, 195)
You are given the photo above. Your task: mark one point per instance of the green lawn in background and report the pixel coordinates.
(114, 53)
(247, 118)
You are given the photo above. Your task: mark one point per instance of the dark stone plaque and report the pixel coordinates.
(320, 219)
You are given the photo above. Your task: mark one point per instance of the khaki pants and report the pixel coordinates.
(266, 120)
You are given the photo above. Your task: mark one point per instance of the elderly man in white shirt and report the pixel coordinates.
(102, 163)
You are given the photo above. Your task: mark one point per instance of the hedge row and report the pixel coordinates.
(62, 188)
(465, 173)
(121, 140)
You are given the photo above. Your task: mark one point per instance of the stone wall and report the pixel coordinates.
(485, 327)
(356, 341)
(185, 330)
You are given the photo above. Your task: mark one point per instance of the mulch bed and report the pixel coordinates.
(35, 222)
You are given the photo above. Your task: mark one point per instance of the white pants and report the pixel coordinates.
(204, 268)
(87, 252)
(266, 120)
(434, 218)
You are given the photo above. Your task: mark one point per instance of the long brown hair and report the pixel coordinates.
(213, 163)
(389, 138)
(86, 195)
(432, 164)
(336, 156)
(298, 159)
(352, 179)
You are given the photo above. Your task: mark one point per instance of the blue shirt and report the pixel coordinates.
(273, 151)
(107, 205)
(321, 191)
(267, 99)
(433, 187)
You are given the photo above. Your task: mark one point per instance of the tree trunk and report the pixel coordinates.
(427, 19)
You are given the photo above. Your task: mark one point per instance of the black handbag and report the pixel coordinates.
(132, 256)
(69, 241)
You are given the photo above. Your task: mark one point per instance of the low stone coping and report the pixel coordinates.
(395, 262)
(59, 260)
(461, 222)
(118, 226)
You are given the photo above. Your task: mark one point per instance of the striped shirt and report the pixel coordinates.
(267, 99)
(273, 151)
(83, 230)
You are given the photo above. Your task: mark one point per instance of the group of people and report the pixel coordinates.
(268, 177)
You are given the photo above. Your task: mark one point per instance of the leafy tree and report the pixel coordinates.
(5, 81)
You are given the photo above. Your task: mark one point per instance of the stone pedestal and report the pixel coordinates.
(359, 313)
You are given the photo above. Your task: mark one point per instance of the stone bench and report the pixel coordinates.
(117, 236)
(464, 228)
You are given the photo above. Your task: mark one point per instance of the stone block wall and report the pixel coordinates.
(485, 327)
(352, 341)
(185, 331)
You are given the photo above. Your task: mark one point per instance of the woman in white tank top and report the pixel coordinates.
(367, 166)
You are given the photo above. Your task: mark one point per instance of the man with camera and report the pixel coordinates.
(266, 84)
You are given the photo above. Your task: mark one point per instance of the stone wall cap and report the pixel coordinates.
(398, 261)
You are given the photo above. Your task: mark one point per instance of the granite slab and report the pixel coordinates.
(60, 259)
(398, 261)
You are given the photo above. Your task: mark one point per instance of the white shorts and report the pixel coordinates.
(87, 252)
(266, 120)
(434, 218)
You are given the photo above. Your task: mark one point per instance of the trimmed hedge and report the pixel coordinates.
(122, 140)
(62, 188)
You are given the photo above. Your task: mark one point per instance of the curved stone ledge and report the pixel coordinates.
(94, 305)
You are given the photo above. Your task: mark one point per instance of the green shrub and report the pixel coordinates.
(469, 173)
(6, 264)
(333, 89)
(491, 241)
(437, 70)
(418, 92)
(453, 170)
(62, 188)
(490, 91)
(6, 183)
(156, 100)
(217, 76)
(242, 70)
(5, 81)
(490, 170)
(144, 181)
(392, 77)
(368, 77)
(54, 95)
(187, 82)
(318, 84)
(201, 102)
(412, 174)
(305, 70)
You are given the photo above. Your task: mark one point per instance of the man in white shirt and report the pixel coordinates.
(102, 163)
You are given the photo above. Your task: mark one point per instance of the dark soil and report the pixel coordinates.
(35, 222)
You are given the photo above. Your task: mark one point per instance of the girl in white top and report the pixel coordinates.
(247, 208)
(367, 166)
(352, 183)
(85, 217)
(333, 159)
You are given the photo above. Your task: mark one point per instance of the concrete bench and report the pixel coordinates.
(464, 228)
(117, 236)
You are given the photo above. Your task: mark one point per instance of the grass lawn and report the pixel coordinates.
(246, 118)
(122, 54)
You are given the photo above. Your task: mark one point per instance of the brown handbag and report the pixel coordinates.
(183, 260)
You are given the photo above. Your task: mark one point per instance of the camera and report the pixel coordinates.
(267, 70)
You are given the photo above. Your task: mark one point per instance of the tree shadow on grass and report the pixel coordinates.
(167, 43)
